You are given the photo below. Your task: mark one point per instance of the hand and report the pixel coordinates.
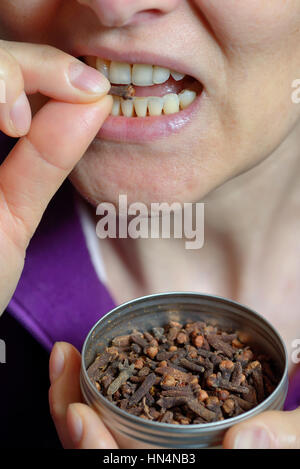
(49, 146)
(269, 430)
(77, 425)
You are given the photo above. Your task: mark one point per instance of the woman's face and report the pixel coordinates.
(244, 54)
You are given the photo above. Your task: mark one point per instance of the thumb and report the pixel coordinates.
(86, 429)
(269, 430)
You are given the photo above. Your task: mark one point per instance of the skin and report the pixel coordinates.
(239, 155)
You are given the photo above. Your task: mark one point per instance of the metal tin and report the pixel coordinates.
(156, 310)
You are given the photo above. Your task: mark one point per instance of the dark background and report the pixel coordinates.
(25, 420)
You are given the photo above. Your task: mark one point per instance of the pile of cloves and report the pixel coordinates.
(197, 373)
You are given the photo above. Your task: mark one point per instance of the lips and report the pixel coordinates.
(147, 129)
(164, 100)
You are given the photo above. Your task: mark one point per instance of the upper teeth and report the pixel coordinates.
(138, 74)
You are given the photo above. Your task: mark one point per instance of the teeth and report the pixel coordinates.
(177, 76)
(103, 67)
(186, 98)
(127, 107)
(120, 73)
(155, 105)
(171, 103)
(116, 110)
(160, 75)
(141, 106)
(142, 75)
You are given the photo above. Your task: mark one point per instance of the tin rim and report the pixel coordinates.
(219, 425)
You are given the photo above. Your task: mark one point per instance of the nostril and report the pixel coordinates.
(119, 21)
(153, 12)
(145, 15)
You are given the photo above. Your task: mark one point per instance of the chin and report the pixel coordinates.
(144, 175)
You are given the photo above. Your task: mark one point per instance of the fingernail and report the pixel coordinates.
(74, 424)
(88, 79)
(57, 362)
(20, 115)
(252, 438)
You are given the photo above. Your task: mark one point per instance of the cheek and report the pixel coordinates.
(21, 20)
(252, 22)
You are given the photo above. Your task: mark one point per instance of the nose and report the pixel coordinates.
(117, 13)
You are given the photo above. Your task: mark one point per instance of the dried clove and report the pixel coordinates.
(183, 375)
(237, 374)
(125, 373)
(177, 374)
(216, 381)
(143, 389)
(139, 339)
(191, 365)
(125, 92)
(218, 344)
(167, 417)
(121, 341)
(226, 367)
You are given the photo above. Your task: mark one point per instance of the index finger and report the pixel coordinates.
(54, 73)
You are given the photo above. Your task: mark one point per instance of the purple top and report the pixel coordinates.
(59, 296)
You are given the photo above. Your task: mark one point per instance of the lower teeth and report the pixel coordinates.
(153, 105)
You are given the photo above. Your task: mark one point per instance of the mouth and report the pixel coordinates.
(163, 102)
